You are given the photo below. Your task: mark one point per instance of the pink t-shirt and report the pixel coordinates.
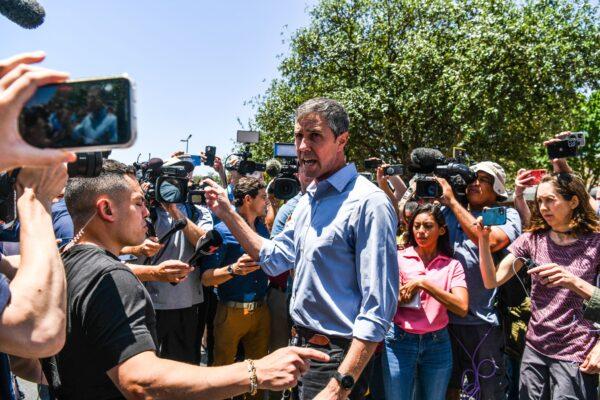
(442, 271)
(557, 328)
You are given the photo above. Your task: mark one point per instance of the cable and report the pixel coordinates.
(517, 275)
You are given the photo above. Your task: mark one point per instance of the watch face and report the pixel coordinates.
(347, 382)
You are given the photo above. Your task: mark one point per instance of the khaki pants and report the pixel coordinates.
(250, 328)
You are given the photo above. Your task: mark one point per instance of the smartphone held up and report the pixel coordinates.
(81, 115)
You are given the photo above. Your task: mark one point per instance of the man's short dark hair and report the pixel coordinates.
(81, 193)
(332, 111)
(246, 186)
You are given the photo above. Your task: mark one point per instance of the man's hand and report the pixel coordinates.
(559, 164)
(178, 153)
(45, 183)
(553, 275)
(149, 248)
(244, 265)
(447, 192)
(218, 164)
(281, 369)
(382, 179)
(333, 391)
(216, 198)
(591, 364)
(173, 271)
(172, 209)
(18, 82)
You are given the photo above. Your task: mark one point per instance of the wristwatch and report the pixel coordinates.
(346, 381)
(230, 269)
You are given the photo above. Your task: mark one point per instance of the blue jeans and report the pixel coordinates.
(410, 360)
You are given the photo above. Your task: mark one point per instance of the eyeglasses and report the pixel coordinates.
(485, 179)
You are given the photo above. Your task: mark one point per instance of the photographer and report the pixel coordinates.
(477, 339)
(393, 186)
(180, 309)
(18, 81)
(242, 314)
(341, 243)
(111, 339)
(562, 252)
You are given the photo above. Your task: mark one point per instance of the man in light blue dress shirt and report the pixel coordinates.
(341, 242)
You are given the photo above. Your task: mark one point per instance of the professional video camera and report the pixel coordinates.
(428, 163)
(285, 184)
(87, 165)
(245, 165)
(166, 184)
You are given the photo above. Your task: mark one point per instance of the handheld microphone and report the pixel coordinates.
(273, 168)
(206, 246)
(28, 14)
(177, 226)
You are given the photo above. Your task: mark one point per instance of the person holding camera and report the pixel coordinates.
(180, 307)
(242, 314)
(418, 355)
(341, 242)
(561, 250)
(477, 338)
(110, 349)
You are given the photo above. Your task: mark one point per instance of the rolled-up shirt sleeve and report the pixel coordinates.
(377, 267)
(278, 254)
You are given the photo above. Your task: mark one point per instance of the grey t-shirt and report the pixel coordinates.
(481, 300)
(185, 294)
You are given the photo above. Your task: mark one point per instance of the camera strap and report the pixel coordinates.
(412, 187)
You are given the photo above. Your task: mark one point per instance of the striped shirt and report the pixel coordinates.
(557, 328)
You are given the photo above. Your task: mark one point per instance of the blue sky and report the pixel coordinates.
(194, 62)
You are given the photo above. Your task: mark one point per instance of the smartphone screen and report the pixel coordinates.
(84, 114)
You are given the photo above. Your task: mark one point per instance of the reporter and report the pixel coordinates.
(32, 324)
(111, 339)
(564, 241)
(18, 82)
(418, 353)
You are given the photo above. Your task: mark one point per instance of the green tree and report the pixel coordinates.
(493, 76)
(588, 119)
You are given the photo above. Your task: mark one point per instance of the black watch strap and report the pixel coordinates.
(346, 381)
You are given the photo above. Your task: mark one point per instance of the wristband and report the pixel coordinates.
(253, 378)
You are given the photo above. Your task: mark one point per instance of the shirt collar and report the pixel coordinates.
(410, 252)
(339, 180)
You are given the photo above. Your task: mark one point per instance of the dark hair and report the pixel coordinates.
(81, 193)
(584, 218)
(246, 186)
(443, 242)
(332, 111)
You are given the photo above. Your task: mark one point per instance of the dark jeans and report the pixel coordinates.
(179, 333)
(320, 373)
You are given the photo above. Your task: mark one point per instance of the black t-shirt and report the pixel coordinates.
(110, 319)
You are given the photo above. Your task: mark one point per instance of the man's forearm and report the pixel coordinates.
(215, 277)
(28, 369)
(9, 265)
(465, 219)
(169, 380)
(144, 273)
(250, 241)
(191, 231)
(38, 288)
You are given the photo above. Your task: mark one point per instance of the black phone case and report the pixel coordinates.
(562, 149)
(210, 152)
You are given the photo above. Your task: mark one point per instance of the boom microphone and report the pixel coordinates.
(273, 168)
(28, 14)
(155, 164)
(424, 160)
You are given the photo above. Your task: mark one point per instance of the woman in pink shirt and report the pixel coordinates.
(417, 347)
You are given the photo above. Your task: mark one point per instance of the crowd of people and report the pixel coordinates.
(350, 289)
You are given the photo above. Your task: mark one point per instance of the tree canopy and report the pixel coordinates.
(496, 77)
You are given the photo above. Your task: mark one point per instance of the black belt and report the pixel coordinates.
(319, 339)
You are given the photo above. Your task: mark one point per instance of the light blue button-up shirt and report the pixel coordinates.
(341, 240)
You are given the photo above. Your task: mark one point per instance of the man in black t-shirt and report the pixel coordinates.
(110, 347)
